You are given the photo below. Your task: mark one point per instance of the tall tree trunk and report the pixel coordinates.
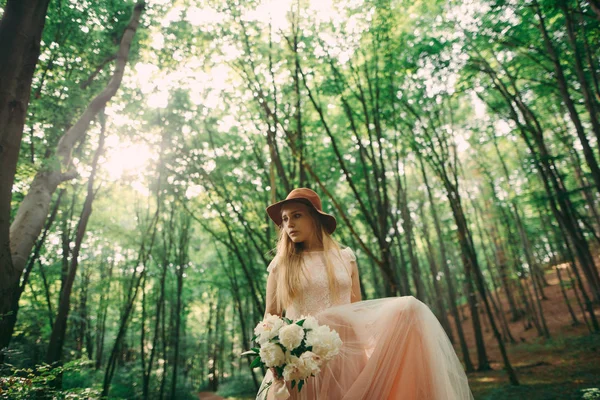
(566, 97)
(183, 260)
(595, 5)
(239, 307)
(20, 36)
(492, 237)
(407, 225)
(34, 208)
(105, 279)
(212, 380)
(472, 269)
(531, 131)
(57, 338)
(565, 297)
(452, 297)
(83, 331)
(588, 97)
(437, 295)
(143, 256)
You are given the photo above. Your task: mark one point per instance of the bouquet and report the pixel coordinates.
(294, 350)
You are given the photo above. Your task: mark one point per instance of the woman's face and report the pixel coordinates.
(298, 222)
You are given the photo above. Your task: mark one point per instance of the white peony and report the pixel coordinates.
(272, 355)
(312, 362)
(291, 336)
(310, 322)
(268, 328)
(325, 342)
(294, 369)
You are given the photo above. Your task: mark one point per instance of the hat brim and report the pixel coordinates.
(274, 212)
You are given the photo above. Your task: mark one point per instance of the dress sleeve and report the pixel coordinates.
(271, 266)
(348, 254)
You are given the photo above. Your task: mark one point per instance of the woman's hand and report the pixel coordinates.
(280, 390)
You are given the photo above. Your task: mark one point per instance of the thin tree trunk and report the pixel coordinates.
(472, 266)
(55, 346)
(565, 297)
(143, 256)
(595, 6)
(407, 225)
(562, 207)
(183, 260)
(106, 277)
(492, 237)
(439, 301)
(452, 297)
(588, 97)
(566, 97)
(579, 302)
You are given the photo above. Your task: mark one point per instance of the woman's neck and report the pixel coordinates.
(310, 247)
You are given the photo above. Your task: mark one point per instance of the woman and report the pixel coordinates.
(393, 348)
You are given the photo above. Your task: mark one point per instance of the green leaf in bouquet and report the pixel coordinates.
(289, 321)
(293, 384)
(297, 351)
(255, 349)
(300, 384)
(256, 362)
(254, 337)
(301, 322)
(279, 370)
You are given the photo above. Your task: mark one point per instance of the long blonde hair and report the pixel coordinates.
(289, 262)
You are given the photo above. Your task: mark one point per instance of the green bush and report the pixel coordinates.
(591, 394)
(238, 386)
(36, 382)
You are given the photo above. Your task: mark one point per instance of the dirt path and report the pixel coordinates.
(209, 396)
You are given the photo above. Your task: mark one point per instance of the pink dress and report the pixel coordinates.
(394, 348)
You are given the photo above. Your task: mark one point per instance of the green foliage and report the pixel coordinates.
(591, 393)
(239, 386)
(27, 383)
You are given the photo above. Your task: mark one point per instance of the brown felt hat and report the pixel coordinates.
(308, 197)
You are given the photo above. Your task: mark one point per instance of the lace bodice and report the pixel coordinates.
(315, 295)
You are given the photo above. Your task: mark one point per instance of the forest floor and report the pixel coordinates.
(209, 396)
(566, 366)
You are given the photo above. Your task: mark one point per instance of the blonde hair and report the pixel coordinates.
(289, 262)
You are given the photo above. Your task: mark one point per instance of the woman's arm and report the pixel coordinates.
(271, 306)
(356, 295)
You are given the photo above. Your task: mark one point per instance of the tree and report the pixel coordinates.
(20, 34)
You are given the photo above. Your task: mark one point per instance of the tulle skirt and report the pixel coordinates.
(394, 348)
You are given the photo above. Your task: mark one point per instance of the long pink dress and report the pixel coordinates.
(394, 348)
